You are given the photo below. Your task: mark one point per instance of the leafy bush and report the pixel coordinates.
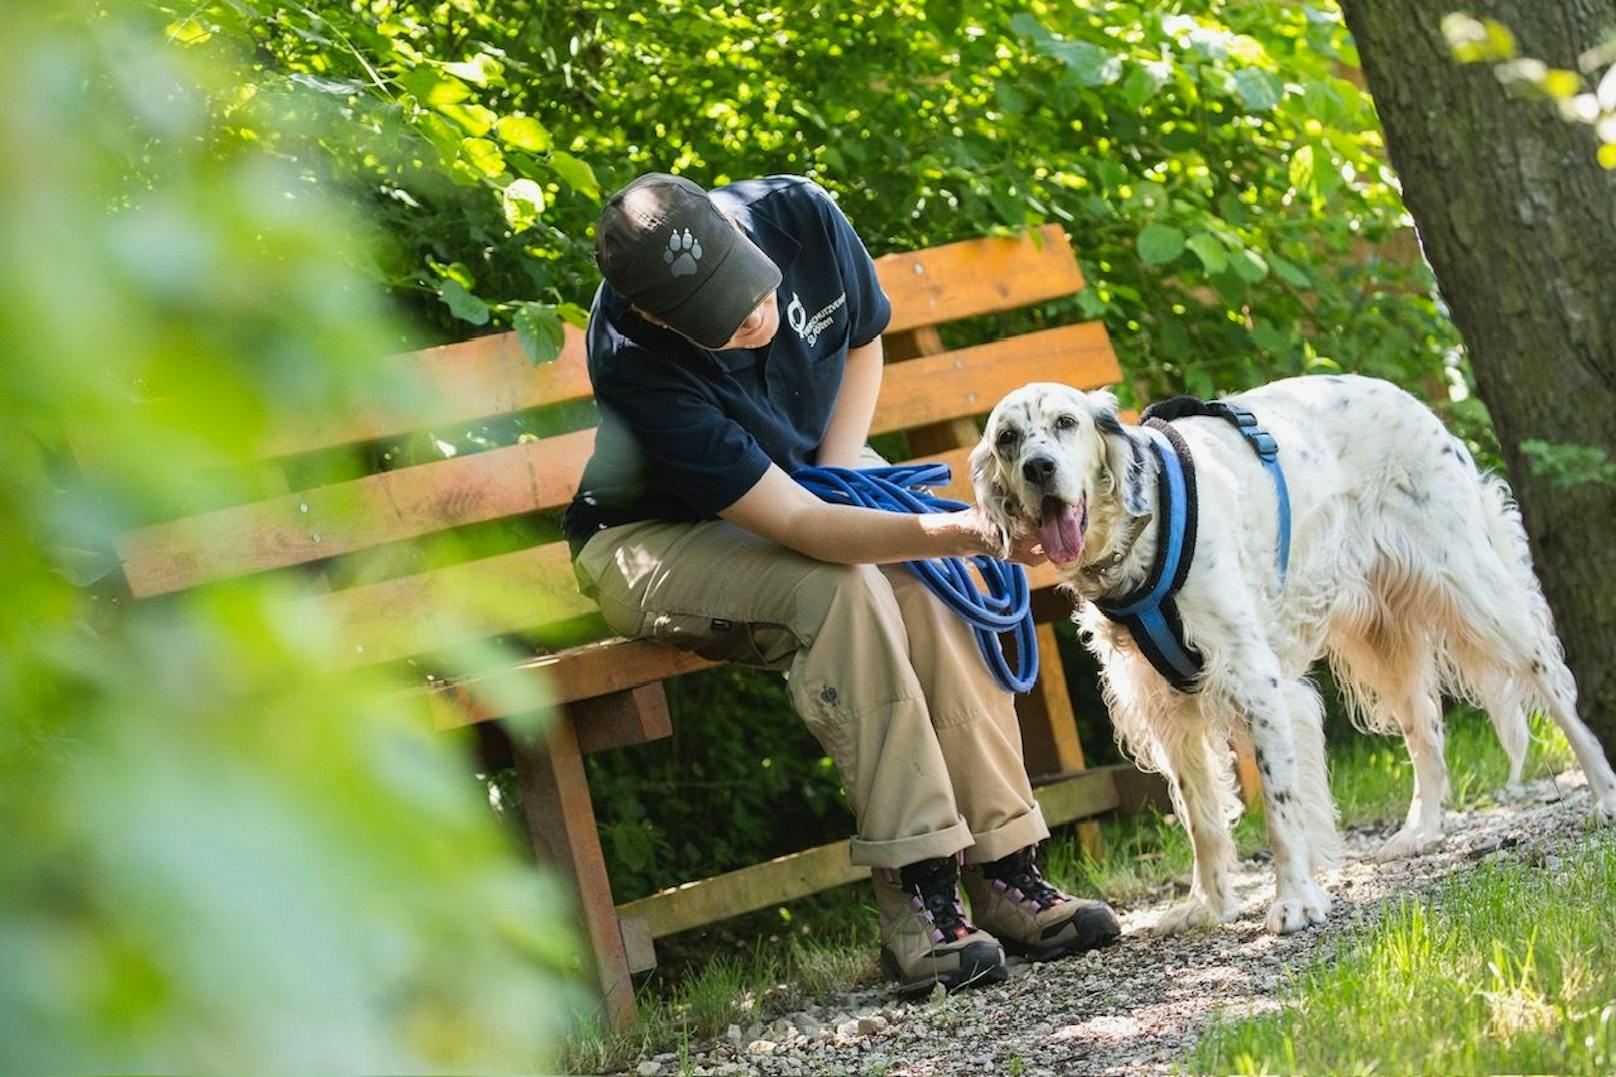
(221, 853)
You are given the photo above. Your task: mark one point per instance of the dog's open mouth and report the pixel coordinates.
(1061, 526)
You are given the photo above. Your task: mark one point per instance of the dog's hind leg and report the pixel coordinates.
(1391, 673)
(1201, 780)
(1502, 636)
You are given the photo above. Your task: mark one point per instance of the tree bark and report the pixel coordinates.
(1519, 222)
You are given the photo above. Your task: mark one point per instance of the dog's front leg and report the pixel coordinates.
(1202, 787)
(1298, 900)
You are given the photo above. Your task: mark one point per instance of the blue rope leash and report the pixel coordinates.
(1006, 605)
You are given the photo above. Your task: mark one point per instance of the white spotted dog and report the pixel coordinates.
(1407, 567)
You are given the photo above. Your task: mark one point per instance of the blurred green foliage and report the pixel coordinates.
(221, 852)
(1216, 163)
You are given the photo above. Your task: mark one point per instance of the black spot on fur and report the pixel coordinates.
(1273, 682)
(1281, 796)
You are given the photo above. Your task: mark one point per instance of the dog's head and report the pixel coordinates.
(1058, 462)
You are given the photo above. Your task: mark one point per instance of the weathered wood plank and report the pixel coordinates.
(799, 874)
(978, 276)
(341, 518)
(622, 718)
(561, 821)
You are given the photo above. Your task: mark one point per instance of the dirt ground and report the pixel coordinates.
(1138, 1007)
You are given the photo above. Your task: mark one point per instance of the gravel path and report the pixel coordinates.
(1138, 1007)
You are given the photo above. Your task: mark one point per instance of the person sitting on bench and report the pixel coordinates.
(688, 529)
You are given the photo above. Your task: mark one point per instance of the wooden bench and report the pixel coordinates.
(608, 692)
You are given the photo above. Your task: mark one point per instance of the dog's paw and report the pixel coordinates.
(1407, 842)
(1604, 810)
(1294, 912)
(1188, 914)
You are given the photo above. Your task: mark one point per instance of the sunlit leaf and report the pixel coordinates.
(577, 173)
(484, 155)
(1210, 250)
(523, 201)
(523, 132)
(539, 329)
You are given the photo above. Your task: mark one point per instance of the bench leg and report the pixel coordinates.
(1049, 728)
(561, 822)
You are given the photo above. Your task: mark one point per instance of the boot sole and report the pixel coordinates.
(1095, 930)
(980, 964)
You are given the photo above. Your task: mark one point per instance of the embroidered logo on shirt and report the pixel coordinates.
(808, 328)
(684, 251)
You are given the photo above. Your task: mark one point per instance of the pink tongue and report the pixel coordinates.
(1062, 534)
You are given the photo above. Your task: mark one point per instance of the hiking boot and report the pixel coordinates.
(1010, 898)
(925, 937)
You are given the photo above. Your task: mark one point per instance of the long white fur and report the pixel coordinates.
(1409, 571)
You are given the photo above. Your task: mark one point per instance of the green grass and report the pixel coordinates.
(754, 967)
(1508, 968)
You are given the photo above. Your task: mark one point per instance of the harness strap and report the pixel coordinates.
(1261, 442)
(1150, 612)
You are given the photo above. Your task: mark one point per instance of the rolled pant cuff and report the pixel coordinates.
(1018, 833)
(897, 852)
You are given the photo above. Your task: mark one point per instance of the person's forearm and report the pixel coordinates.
(849, 426)
(784, 513)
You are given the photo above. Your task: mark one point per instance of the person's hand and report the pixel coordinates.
(1026, 549)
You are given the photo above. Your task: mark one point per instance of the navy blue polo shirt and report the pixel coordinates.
(685, 431)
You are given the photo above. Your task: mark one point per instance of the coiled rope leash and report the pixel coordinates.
(1006, 607)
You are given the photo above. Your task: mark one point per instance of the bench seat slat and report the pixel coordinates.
(539, 476)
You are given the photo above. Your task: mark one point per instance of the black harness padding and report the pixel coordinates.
(1150, 611)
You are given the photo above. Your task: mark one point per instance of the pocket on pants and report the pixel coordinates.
(750, 643)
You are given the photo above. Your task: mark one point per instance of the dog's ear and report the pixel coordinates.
(1124, 454)
(992, 497)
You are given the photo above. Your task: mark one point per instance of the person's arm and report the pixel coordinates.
(849, 426)
(782, 511)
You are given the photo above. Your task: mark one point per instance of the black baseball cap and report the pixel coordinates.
(663, 244)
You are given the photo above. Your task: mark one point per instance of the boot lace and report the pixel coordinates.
(933, 887)
(1017, 877)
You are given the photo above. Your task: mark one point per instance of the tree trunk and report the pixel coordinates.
(1519, 222)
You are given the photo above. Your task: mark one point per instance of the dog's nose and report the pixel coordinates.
(1038, 468)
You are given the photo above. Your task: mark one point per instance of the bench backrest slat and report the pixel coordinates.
(490, 375)
(538, 476)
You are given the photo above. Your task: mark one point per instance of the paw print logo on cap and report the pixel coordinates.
(683, 252)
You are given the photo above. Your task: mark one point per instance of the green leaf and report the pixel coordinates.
(1210, 250)
(523, 202)
(188, 31)
(1250, 266)
(1271, 338)
(538, 328)
(1289, 272)
(1301, 169)
(578, 175)
(473, 117)
(524, 132)
(573, 315)
(1027, 25)
(1141, 85)
(1258, 90)
(480, 70)
(1090, 64)
(432, 89)
(461, 303)
(484, 155)
(1159, 243)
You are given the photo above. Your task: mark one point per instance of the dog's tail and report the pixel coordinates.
(1475, 662)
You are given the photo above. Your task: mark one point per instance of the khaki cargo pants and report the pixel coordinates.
(887, 679)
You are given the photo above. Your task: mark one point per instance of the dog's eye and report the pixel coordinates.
(1007, 437)
(1066, 422)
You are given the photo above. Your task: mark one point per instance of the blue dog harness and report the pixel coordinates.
(1150, 612)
